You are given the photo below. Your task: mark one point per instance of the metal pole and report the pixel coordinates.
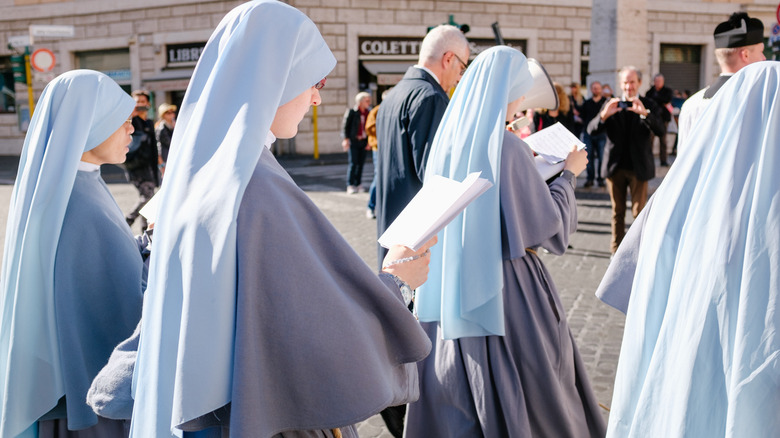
(316, 134)
(29, 82)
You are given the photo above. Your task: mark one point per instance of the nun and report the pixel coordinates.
(260, 320)
(73, 274)
(504, 362)
(701, 347)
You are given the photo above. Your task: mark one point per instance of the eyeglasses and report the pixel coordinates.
(320, 84)
(465, 66)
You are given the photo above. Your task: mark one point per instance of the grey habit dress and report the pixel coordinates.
(531, 382)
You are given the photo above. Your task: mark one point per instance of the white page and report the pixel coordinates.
(547, 170)
(553, 143)
(149, 210)
(438, 202)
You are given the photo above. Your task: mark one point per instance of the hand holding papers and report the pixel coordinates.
(552, 145)
(435, 205)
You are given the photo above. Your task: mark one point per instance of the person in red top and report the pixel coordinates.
(355, 141)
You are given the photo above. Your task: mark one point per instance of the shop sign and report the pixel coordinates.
(118, 75)
(392, 46)
(184, 54)
(410, 47)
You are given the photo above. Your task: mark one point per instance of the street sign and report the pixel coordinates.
(776, 29)
(42, 60)
(778, 13)
(19, 41)
(50, 31)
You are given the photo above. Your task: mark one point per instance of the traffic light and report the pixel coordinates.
(463, 27)
(19, 68)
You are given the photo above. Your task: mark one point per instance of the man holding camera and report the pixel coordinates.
(628, 164)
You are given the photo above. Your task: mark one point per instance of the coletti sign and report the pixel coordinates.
(410, 46)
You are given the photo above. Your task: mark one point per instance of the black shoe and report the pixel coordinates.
(664, 164)
(588, 183)
(601, 182)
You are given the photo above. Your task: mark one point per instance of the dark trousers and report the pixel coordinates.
(618, 185)
(594, 144)
(662, 152)
(372, 189)
(357, 157)
(145, 193)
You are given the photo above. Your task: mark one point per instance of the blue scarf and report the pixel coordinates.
(262, 55)
(464, 287)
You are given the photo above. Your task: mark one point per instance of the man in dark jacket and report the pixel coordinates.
(409, 117)
(630, 123)
(405, 125)
(141, 163)
(661, 95)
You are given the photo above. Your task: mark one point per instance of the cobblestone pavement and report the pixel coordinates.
(597, 328)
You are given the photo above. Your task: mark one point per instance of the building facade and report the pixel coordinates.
(155, 44)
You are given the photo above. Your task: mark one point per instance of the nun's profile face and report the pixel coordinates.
(114, 149)
(289, 115)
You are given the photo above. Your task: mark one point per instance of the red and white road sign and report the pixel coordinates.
(42, 60)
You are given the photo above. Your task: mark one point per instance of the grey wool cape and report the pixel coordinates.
(531, 382)
(321, 341)
(99, 279)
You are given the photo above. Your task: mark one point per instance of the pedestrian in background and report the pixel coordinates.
(407, 121)
(260, 319)
(662, 96)
(594, 143)
(73, 275)
(504, 362)
(373, 144)
(575, 101)
(163, 130)
(629, 123)
(142, 161)
(739, 42)
(355, 140)
(544, 118)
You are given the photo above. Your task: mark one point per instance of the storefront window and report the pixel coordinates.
(681, 66)
(7, 94)
(114, 63)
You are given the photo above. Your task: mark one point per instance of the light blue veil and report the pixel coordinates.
(701, 347)
(464, 286)
(262, 55)
(76, 112)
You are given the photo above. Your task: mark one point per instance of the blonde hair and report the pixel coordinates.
(563, 99)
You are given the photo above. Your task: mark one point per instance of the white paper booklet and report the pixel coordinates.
(438, 202)
(149, 211)
(553, 143)
(546, 169)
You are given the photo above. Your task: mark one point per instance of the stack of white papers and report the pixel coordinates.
(552, 145)
(438, 202)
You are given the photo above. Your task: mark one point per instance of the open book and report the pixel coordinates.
(552, 145)
(438, 202)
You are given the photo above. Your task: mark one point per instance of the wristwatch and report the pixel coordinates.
(406, 292)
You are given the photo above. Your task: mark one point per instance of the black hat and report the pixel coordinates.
(739, 31)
